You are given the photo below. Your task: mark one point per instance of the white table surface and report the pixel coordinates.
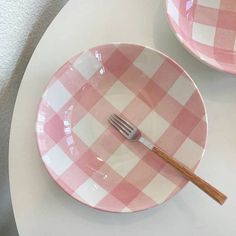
(42, 209)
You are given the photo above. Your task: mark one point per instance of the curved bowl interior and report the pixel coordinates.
(88, 158)
(207, 28)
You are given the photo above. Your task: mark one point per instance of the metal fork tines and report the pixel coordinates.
(124, 127)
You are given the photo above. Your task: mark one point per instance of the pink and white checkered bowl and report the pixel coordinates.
(207, 28)
(90, 160)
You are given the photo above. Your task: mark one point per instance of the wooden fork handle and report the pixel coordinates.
(187, 173)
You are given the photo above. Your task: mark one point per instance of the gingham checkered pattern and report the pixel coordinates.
(207, 28)
(88, 158)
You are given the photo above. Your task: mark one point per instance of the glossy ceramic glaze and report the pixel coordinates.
(88, 158)
(207, 28)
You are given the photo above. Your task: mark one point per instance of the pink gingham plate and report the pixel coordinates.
(207, 28)
(88, 158)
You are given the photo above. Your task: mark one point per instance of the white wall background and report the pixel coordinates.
(22, 23)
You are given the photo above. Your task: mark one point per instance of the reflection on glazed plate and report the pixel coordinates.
(207, 28)
(89, 159)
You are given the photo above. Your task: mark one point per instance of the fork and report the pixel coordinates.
(131, 132)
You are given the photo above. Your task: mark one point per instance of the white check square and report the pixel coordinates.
(173, 11)
(182, 84)
(126, 209)
(91, 192)
(88, 129)
(235, 45)
(189, 153)
(57, 160)
(159, 188)
(209, 3)
(56, 96)
(153, 126)
(119, 95)
(148, 62)
(204, 34)
(123, 160)
(87, 64)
